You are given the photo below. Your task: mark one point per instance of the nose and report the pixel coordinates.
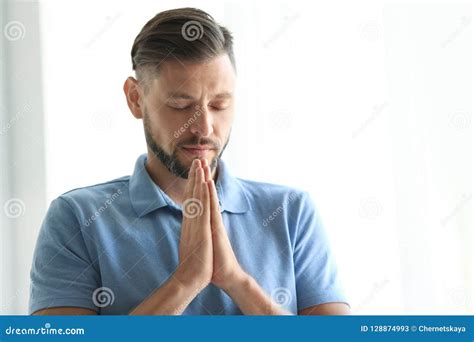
(202, 124)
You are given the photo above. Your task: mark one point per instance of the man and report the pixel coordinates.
(182, 235)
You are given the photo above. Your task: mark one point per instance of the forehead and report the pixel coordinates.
(215, 75)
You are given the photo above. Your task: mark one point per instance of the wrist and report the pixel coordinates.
(239, 283)
(188, 280)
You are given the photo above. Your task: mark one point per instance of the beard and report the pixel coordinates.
(171, 161)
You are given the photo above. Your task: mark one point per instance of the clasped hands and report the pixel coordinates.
(205, 252)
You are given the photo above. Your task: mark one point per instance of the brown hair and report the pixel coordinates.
(188, 34)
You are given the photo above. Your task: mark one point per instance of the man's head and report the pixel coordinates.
(184, 87)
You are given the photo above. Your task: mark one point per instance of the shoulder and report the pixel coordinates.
(109, 190)
(267, 189)
(270, 195)
(81, 203)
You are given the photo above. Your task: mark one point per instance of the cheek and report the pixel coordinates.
(222, 129)
(167, 124)
(226, 121)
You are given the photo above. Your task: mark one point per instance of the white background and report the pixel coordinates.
(367, 105)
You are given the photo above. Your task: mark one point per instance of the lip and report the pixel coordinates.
(197, 147)
(197, 151)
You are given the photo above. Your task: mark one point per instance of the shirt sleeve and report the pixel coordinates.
(62, 272)
(316, 274)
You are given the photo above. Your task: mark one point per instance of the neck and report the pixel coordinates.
(171, 184)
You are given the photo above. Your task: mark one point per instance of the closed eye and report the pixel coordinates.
(220, 105)
(219, 108)
(181, 108)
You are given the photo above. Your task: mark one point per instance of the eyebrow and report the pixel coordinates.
(185, 96)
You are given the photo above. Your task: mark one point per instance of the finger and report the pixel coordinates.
(191, 178)
(205, 198)
(187, 205)
(197, 193)
(197, 189)
(204, 218)
(199, 178)
(207, 171)
(216, 217)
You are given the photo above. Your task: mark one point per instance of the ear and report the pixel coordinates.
(134, 95)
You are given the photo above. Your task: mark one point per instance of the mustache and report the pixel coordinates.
(200, 141)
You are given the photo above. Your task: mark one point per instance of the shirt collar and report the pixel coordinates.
(146, 196)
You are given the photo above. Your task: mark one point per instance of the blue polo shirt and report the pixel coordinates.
(107, 247)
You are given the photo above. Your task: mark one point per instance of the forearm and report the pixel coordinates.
(252, 299)
(170, 299)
